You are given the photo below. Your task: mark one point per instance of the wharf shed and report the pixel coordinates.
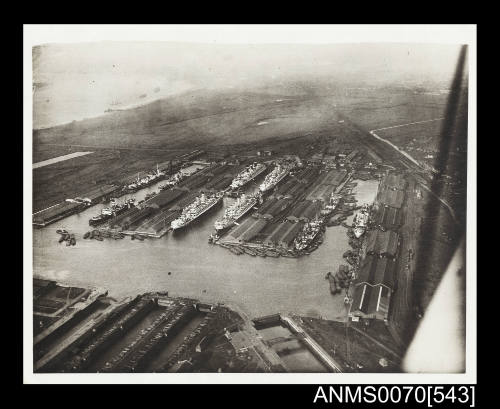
(254, 229)
(391, 198)
(247, 230)
(307, 175)
(99, 192)
(278, 232)
(137, 218)
(164, 198)
(382, 243)
(291, 233)
(219, 182)
(321, 192)
(377, 271)
(266, 206)
(118, 220)
(335, 177)
(237, 231)
(389, 218)
(56, 212)
(304, 211)
(395, 182)
(284, 189)
(370, 302)
(295, 190)
(276, 208)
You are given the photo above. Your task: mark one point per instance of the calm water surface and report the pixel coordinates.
(256, 285)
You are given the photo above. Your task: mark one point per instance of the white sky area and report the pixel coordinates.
(79, 80)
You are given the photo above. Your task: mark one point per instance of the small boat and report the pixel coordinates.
(61, 239)
(86, 235)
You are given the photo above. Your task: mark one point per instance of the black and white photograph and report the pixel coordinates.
(249, 203)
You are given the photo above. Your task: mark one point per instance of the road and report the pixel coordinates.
(408, 161)
(380, 344)
(327, 359)
(411, 123)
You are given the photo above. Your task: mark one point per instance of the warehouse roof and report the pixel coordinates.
(238, 231)
(292, 232)
(393, 198)
(253, 230)
(389, 217)
(279, 232)
(298, 210)
(277, 207)
(321, 192)
(375, 270)
(371, 300)
(395, 181)
(361, 298)
(267, 205)
(367, 270)
(165, 197)
(380, 242)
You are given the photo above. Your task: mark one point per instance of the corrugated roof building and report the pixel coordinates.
(291, 233)
(377, 270)
(370, 302)
(389, 218)
(383, 243)
(394, 181)
(164, 198)
(392, 198)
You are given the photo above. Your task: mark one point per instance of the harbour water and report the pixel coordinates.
(257, 286)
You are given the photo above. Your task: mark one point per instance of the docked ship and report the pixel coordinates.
(198, 207)
(147, 180)
(276, 175)
(236, 211)
(173, 180)
(247, 174)
(109, 212)
(360, 221)
(331, 205)
(307, 234)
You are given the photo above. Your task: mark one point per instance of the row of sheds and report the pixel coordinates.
(374, 285)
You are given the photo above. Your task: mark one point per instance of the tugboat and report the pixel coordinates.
(112, 211)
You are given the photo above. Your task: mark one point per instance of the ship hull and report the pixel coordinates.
(105, 218)
(273, 185)
(183, 226)
(231, 224)
(259, 172)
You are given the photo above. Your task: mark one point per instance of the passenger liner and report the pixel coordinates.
(276, 175)
(199, 206)
(247, 174)
(237, 210)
